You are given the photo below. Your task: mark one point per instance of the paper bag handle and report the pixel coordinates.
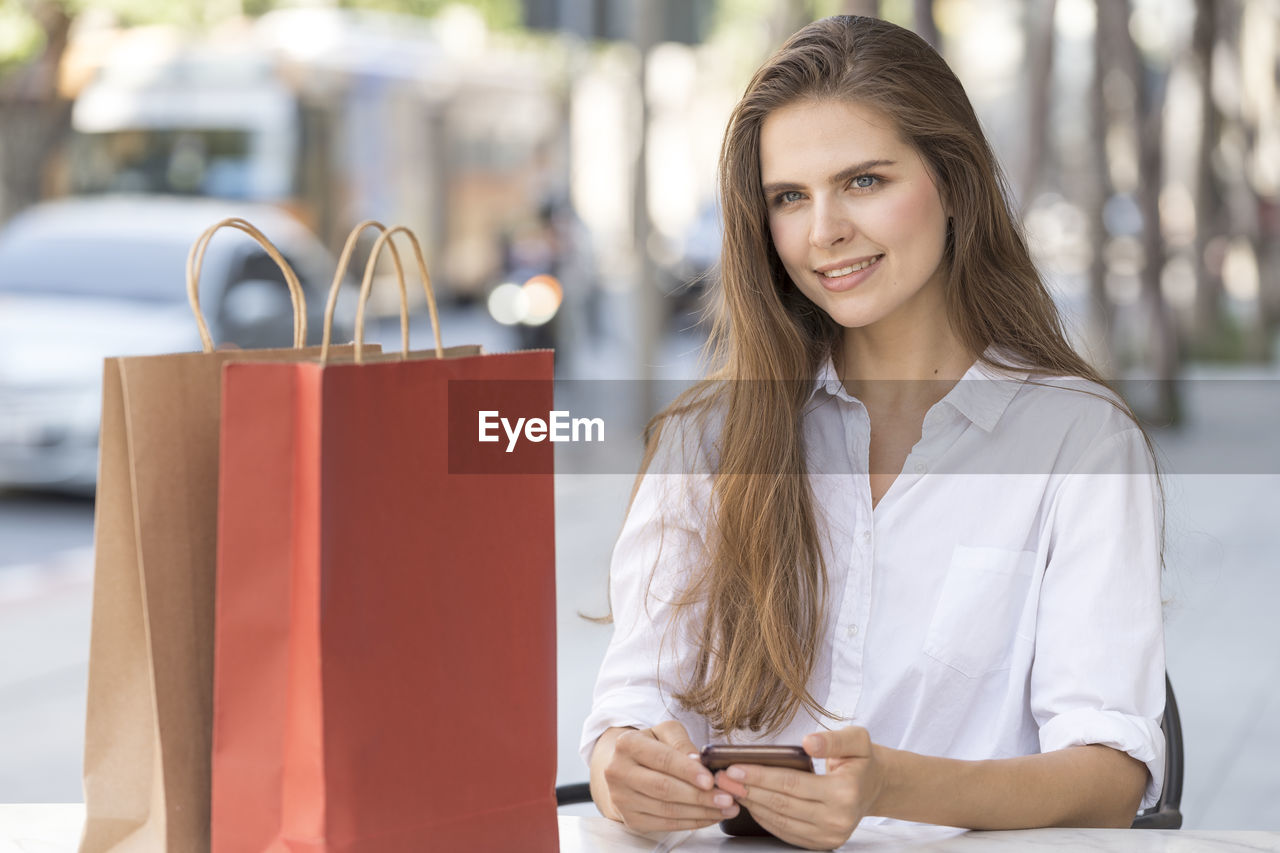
(195, 260)
(383, 239)
(343, 262)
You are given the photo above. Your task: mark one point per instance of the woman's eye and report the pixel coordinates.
(789, 197)
(865, 182)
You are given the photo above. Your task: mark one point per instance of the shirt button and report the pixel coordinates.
(852, 631)
(920, 467)
(866, 536)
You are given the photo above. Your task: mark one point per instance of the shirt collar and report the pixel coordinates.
(983, 403)
(829, 381)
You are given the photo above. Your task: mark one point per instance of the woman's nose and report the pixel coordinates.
(831, 225)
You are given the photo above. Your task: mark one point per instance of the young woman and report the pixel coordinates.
(904, 524)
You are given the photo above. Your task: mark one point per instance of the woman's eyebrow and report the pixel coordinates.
(854, 171)
(840, 177)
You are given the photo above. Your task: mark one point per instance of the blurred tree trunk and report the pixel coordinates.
(33, 117)
(1101, 314)
(1256, 345)
(926, 24)
(1040, 32)
(1267, 245)
(867, 8)
(1148, 117)
(1268, 249)
(1260, 230)
(1208, 321)
(1252, 214)
(1238, 210)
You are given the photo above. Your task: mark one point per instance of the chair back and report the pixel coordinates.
(1165, 814)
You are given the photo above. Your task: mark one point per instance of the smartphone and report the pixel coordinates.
(718, 756)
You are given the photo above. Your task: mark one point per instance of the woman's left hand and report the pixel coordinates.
(818, 812)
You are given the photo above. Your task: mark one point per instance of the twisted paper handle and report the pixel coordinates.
(344, 260)
(366, 285)
(195, 260)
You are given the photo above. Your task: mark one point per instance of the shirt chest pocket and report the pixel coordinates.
(976, 618)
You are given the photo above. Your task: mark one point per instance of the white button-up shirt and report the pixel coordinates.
(1002, 598)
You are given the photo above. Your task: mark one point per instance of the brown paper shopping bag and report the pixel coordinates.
(147, 732)
(385, 637)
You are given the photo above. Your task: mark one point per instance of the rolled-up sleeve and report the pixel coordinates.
(647, 659)
(1098, 674)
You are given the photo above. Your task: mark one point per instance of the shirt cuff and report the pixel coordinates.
(638, 708)
(1138, 737)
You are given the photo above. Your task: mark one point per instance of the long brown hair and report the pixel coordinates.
(760, 597)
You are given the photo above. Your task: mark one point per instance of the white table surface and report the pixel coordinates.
(45, 828)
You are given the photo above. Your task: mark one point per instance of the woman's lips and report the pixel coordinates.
(850, 280)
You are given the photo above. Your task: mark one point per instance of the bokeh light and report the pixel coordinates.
(508, 304)
(543, 295)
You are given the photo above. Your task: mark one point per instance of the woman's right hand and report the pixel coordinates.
(653, 781)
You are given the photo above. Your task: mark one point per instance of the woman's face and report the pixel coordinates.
(854, 213)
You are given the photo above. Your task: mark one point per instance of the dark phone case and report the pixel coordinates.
(719, 756)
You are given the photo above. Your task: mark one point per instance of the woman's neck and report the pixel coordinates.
(911, 367)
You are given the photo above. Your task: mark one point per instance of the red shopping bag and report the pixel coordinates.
(385, 629)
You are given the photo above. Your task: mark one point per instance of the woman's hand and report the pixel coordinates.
(805, 809)
(655, 781)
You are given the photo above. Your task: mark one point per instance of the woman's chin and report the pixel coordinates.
(851, 319)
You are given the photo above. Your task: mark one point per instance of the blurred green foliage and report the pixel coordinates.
(22, 37)
(499, 14)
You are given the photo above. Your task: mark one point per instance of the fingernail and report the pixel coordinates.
(723, 800)
(704, 780)
(814, 743)
(737, 773)
(695, 756)
(729, 812)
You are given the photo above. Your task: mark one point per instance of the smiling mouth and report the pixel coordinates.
(851, 269)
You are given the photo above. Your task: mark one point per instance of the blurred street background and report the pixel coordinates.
(558, 160)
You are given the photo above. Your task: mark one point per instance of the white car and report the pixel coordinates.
(83, 279)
